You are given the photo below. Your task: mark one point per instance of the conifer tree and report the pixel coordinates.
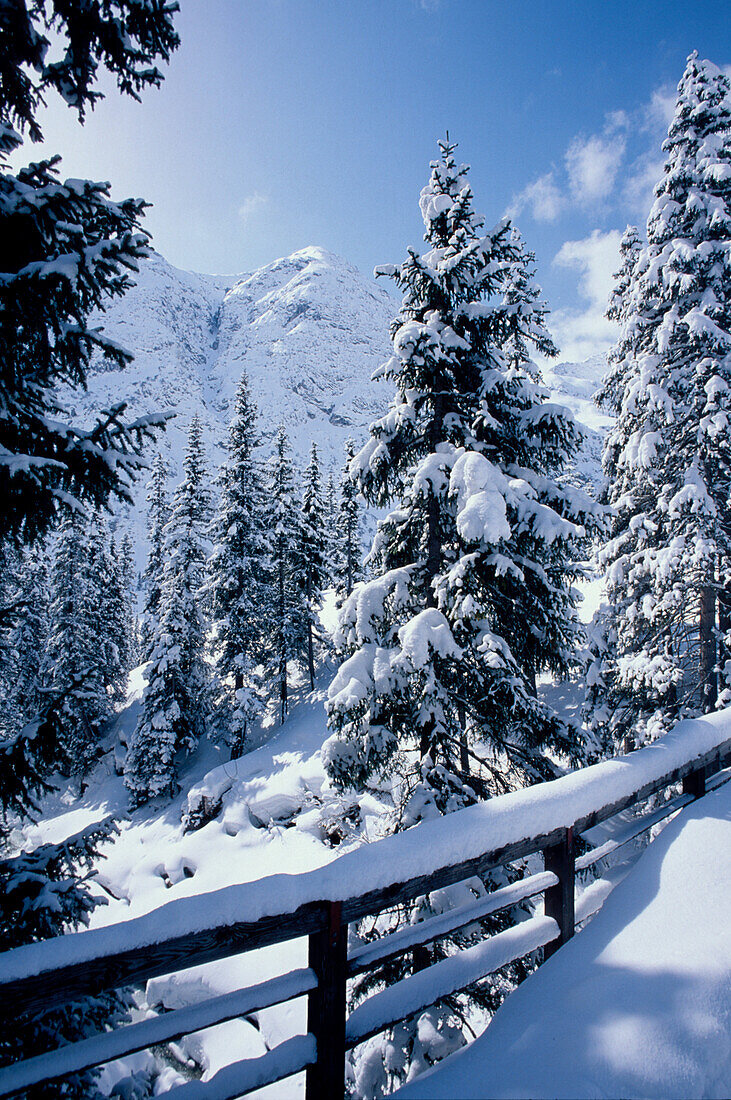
(350, 552)
(103, 615)
(282, 520)
(310, 563)
(330, 523)
(668, 460)
(77, 674)
(238, 574)
(66, 250)
(472, 594)
(119, 623)
(130, 583)
(176, 701)
(24, 653)
(158, 514)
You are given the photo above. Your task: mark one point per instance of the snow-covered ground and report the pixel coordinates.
(159, 856)
(637, 1004)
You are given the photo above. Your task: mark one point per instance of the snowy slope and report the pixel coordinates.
(639, 1003)
(159, 857)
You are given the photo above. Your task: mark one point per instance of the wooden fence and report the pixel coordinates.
(31, 978)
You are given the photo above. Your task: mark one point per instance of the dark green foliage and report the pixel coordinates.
(237, 585)
(66, 249)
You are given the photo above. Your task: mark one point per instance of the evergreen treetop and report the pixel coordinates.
(668, 458)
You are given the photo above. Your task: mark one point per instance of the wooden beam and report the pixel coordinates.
(56, 987)
(108, 1045)
(396, 943)
(326, 1007)
(559, 899)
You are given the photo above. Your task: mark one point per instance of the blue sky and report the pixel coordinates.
(284, 123)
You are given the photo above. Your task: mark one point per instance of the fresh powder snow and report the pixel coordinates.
(638, 1003)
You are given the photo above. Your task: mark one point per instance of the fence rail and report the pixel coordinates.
(32, 979)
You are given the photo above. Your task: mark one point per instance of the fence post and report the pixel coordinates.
(559, 899)
(326, 1007)
(695, 783)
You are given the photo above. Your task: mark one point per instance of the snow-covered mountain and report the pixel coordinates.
(574, 385)
(310, 329)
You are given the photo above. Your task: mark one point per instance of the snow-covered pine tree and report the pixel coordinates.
(28, 639)
(285, 620)
(176, 703)
(118, 624)
(310, 565)
(472, 595)
(129, 580)
(104, 621)
(668, 458)
(158, 514)
(238, 583)
(349, 560)
(330, 514)
(77, 674)
(67, 250)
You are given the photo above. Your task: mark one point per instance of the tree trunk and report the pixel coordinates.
(433, 560)
(310, 646)
(282, 638)
(707, 630)
(724, 625)
(464, 756)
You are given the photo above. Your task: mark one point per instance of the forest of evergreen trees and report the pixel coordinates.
(468, 593)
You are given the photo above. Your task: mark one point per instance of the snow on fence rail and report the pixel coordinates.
(546, 818)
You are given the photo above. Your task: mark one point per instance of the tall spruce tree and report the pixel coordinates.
(25, 649)
(158, 514)
(77, 672)
(66, 250)
(472, 595)
(310, 557)
(668, 458)
(330, 514)
(238, 575)
(175, 703)
(129, 580)
(285, 620)
(348, 569)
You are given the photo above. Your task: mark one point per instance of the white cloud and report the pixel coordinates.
(251, 204)
(658, 113)
(542, 197)
(592, 165)
(582, 333)
(640, 185)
